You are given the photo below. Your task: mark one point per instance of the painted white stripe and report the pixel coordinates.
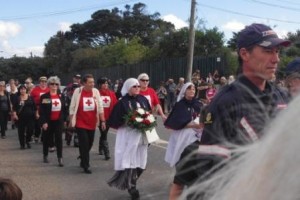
(252, 134)
(214, 150)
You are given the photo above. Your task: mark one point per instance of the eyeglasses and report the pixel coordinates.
(144, 80)
(136, 86)
(54, 84)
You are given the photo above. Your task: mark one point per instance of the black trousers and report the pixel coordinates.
(55, 128)
(3, 121)
(103, 135)
(25, 125)
(37, 128)
(85, 139)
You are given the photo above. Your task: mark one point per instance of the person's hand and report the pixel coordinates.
(164, 117)
(45, 126)
(15, 117)
(103, 125)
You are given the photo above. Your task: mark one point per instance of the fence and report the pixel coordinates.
(158, 71)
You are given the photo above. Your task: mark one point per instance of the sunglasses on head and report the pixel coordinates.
(54, 84)
(136, 86)
(144, 80)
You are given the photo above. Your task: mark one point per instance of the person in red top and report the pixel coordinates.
(210, 92)
(85, 111)
(36, 94)
(150, 94)
(53, 115)
(109, 100)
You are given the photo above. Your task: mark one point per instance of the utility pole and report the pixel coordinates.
(190, 55)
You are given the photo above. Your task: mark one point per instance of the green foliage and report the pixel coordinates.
(123, 51)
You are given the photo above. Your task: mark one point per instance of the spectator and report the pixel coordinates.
(293, 77)
(162, 94)
(171, 89)
(9, 190)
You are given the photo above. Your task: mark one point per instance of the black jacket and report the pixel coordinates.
(237, 115)
(46, 106)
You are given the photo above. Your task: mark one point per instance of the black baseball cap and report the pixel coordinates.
(261, 35)
(293, 67)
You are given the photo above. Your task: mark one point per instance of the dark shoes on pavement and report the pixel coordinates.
(134, 193)
(87, 171)
(60, 162)
(46, 159)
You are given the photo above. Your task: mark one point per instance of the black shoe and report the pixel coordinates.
(68, 143)
(46, 159)
(87, 171)
(28, 145)
(100, 152)
(60, 162)
(134, 193)
(3, 136)
(12, 126)
(107, 157)
(22, 147)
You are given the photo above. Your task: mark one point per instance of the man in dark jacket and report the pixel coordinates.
(239, 112)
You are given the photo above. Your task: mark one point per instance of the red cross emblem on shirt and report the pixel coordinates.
(88, 102)
(55, 103)
(105, 100)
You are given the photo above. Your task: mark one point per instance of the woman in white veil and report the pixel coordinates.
(265, 170)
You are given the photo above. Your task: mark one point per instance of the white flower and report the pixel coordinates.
(140, 111)
(151, 118)
(139, 119)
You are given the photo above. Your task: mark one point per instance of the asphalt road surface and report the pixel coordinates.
(41, 181)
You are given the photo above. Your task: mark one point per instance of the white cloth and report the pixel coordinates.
(128, 84)
(130, 151)
(179, 139)
(182, 91)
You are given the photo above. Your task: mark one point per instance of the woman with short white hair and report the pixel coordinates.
(53, 115)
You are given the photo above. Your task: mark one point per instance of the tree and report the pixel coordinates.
(207, 42)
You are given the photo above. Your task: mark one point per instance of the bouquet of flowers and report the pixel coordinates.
(140, 119)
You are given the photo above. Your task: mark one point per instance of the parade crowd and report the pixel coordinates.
(210, 117)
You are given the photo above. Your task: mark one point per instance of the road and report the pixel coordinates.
(41, 181)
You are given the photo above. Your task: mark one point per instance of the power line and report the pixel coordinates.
(290, 2)
(63, 12)
(276, 5)
(248, 15)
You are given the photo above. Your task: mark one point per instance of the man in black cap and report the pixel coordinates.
(293, 77)
(239, 112)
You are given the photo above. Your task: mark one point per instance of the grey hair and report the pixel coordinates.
(266, 169)
(53, 79)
